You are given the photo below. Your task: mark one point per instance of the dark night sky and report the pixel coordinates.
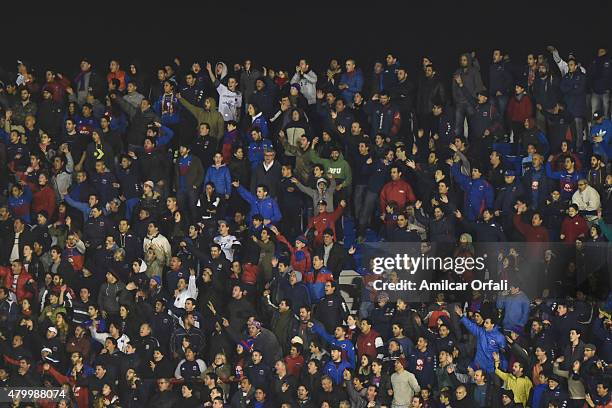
(277, 35)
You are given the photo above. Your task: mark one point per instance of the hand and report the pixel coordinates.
(497, 213)
(450, 162)
(495, 356)
(334, 114)
(131, 286)
(267, 221)
(369, 161)
(459, 310)
(418, 204)
(293, 180)
(208, 67)
(458, 80)
(315, 141)
(341, 129)
(192, 272)
(352, 250)
(562, 236)
(458, 214)
(178, 95)
(70, 91)
(560, 359)
(274, 230)
(486, 132)
(343, 203)
(498, 93)
(46, 367)
(236, 183)
(310, 325)
(274, 262)
(265, 71)
(211, 307)
(266, 293)
(225, 322)
(470, 371)
(410, 163)
(284, 387)
(415, 149)
(551, 48)
(8, 114)
(281, 134)
(320, 94)
(444, 199)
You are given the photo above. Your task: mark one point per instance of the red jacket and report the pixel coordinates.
(572, 228)
(294, 365)
(21, 291)
(120, 75)
(300, 259)
(324, 220)
(43, 199)
(398, 191)
(531, 233)
(367, 344)
(519, 110)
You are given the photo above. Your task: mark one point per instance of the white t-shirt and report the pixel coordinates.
(229, 102)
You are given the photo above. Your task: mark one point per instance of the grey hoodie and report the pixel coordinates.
(316, 195)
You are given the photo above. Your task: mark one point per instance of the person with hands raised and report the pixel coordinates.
(260, 203)
(489, 340)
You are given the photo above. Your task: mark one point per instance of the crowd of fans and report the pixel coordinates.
(177, 239)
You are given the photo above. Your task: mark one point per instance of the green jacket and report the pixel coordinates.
(212, 117)
(339, 169)
(303, 161)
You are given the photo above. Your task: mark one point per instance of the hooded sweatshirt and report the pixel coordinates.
(212, 117)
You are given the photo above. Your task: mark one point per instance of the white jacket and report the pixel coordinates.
(308, 85)
(587, 200)
(229, 102)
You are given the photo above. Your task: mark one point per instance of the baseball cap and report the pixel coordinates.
(322, 180)
(297, 339)
(52, 329)
(597, 114)
(149, 183)
(509, 173)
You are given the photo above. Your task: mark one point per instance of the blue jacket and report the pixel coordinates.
(600, 74)
(346, 345)
(336, 371)
(573, 87)
(267, 207)
(516, 310)
(168, 118)
(261, 122)
(603, 148)
(256, 151)
(568, 182)
(423, 364)
(130, 181)
(478, 193)
(221, 178)
(354, 82)
(500, 79)
(487, 343)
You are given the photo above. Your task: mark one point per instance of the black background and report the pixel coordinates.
(277, 34)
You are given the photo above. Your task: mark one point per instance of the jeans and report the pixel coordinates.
(359, 198)
(501, 102)
(462, 112)
(370, 202)
(578, 126)
(187, 200)
(601, 102)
